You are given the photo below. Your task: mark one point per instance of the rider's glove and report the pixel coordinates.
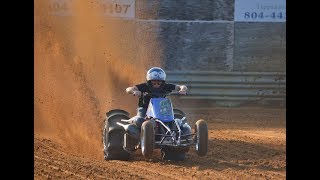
(137, 93)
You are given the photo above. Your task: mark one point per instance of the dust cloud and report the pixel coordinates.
(82, 64)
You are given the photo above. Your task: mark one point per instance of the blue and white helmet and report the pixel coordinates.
(156, 73)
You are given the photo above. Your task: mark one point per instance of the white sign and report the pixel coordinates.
(260, 10)
(113, 8)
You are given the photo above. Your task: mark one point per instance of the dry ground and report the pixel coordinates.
(244, 143)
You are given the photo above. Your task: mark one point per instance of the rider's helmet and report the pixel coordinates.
(156, 74)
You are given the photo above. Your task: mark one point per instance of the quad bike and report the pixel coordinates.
(164, 128)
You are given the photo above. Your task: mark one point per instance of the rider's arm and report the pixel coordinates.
(133, 90)
(130, 90)
(181, 88)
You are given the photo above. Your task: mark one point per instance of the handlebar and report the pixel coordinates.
(163, 95)
(175, 93)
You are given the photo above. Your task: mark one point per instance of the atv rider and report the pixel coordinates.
(155, 85)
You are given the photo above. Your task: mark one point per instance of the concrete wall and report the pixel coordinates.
(207, 10)
(196, 35)
(259, 47)
(201, 35)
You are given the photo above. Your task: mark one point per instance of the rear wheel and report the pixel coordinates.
(113, 136)
(201, 129)
(147, 139)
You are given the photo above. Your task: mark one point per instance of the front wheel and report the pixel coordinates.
(147, 139)
(201, 129)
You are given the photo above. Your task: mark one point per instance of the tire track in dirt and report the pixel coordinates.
(56, 169)
(58, 163)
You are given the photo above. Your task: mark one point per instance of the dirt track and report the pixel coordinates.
(243, 144)
(81, 69)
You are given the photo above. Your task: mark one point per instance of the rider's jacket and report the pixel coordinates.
(153, 92)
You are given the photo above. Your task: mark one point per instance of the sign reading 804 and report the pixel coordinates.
(262, 15)
(260, 10)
